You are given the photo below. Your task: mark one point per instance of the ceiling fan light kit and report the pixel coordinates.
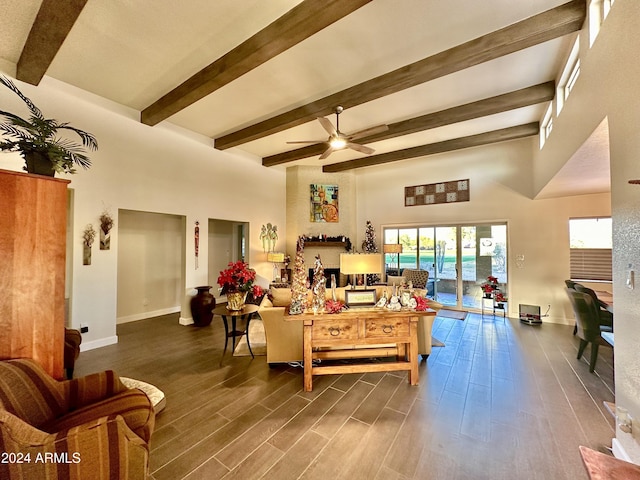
(339, 141)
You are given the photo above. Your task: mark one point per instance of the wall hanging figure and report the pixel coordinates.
(196, 239)
(106, 224)
(88, 236)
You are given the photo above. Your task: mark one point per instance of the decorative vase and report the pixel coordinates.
(487, 295)
(235, 300)
(39, 164)
(202, 305)
(86, 254)
(105, 240)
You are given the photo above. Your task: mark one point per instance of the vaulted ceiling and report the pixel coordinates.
(254, 75)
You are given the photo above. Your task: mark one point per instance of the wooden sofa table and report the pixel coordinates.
(360, 333)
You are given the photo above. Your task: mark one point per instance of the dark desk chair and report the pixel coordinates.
(570, 284)
(606, 317)
(588, 324)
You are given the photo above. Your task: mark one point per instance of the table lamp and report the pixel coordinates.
(392, 248)
(275, 258)
(360, 264)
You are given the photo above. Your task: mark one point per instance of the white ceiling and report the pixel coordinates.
(135, 51)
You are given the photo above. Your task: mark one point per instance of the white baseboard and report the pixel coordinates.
(101, 342)
(141, 316)
(619, 451)
(186, 321)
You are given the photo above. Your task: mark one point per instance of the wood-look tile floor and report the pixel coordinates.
(501, 400)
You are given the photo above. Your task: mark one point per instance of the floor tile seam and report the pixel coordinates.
(199, 442)
(210, 458)
(190, 412)
(185, 452)
(350, 417)
(299, 413)
(182, 431)
(546, 405)
(266, 440)
(587, 392)
(404, 421)
(290, 448)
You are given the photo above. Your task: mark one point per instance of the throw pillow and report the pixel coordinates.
(392, 280)
(280, 297)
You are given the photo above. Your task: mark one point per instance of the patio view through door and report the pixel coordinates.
(459, 259)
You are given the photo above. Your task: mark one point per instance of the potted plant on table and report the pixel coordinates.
(236, 282)
(500, 299)
(36, 140)
(490, 286)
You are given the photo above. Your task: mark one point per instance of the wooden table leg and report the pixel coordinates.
(308, 357)
(413, 352)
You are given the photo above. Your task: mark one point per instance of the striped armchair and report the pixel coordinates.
(90, 427)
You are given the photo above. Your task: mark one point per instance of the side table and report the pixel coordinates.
(245, 314)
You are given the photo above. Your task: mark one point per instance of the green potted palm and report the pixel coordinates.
(37, 140)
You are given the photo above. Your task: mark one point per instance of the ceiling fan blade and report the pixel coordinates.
(306, 141)
(368, 131)
(326, 153)
(328, 126)
(360, 148)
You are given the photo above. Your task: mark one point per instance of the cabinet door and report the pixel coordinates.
(33, 220)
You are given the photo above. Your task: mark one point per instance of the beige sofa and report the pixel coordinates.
(284, 337)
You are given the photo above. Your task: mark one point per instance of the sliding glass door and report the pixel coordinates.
(459, 258)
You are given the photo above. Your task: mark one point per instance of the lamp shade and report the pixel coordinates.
(392, 248)
(358, 263)
(275, 257)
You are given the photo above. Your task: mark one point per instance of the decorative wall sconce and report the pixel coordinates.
(269, 237)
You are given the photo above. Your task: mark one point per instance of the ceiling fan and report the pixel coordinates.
(339, 141)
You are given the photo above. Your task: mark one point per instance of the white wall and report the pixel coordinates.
(500, 189)
(150, 264)
(609, 86)
(158, 169)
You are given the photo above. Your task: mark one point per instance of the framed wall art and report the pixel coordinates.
(434, 193)
(324, 203)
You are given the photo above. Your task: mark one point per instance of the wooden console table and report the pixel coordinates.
(367, 329)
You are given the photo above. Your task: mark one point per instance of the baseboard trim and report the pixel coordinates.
(101, 342)
(186, 321)
(619, 451)
(144, 315)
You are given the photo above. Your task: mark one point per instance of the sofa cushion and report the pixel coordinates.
(133, 405)
(29, 393)
(393, 280)
(280, 297)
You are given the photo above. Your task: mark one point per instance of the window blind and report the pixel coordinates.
(590, 264)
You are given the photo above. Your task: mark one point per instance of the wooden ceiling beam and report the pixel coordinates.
(495, 136)
(524, 97)
(298, 24)
(48, 32)
(540, 28)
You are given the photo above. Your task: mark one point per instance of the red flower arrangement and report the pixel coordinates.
(490, 285)
(334, 306)
(239, 278)
(422, 303)
(499, 297)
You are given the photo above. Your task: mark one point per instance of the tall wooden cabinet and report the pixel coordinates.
(33, 220)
